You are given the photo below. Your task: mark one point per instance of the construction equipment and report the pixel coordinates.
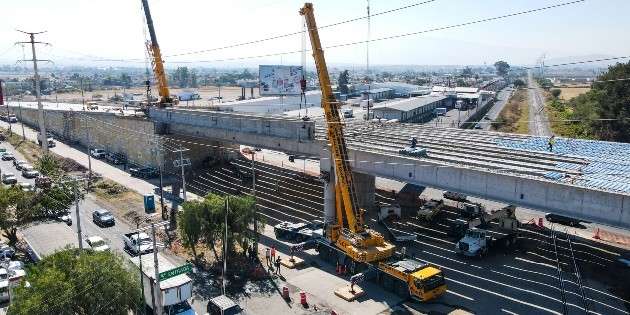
(459, 226)
(157, 63)
(390, 216)
(348, 241)
(477, 241)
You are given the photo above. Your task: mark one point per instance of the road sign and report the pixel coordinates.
(175, 272)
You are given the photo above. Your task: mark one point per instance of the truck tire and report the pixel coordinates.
(279, 233)
(479, 253)
(288, 236)
(513, 239)
(402, 290)
(387, 282)
(298, 238)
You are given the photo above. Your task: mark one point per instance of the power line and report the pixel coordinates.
(345, 44)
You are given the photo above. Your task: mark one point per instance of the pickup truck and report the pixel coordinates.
(138, 243)
(49, 139)
(144, 172)
(114, 158)
(430, 209)
(98, 153)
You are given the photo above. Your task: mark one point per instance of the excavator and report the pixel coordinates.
(348, 242)
(157, 63)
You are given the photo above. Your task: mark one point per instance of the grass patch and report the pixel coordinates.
(511, 117)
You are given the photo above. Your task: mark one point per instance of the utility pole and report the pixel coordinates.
(87, 135)
(21, 120)
(255, 247)
(143, 298)
(159, 153)
(181, 163)
(158, 295)
(76, 203)
(40, 107)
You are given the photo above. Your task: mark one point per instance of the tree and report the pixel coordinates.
(17, 209)
(73, 282)
(614, 103)
(342, 82)
(419, 81)
(518, 83)
(181, 76)
(502, 67)
(203, 221)
(556, 92)
(461, 82)
(467, 72)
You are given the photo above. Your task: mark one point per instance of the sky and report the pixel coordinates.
(421, 32)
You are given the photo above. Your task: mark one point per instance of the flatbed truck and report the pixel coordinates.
(299, 232)
(390, 216)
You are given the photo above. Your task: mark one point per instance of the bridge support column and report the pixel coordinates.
(365, 186)
(327, 173)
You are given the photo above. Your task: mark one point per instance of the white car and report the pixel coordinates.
(98, 153)
(27, 187)
(97, 243)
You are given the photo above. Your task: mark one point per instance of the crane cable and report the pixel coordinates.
(303, 80)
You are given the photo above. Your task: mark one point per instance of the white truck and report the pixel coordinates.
(138, 243)
(367, 104)
(473, 210)
(390, 216)
(348, 113)
(477, 242)
(430, 209)
(188, 96)
(174, 292)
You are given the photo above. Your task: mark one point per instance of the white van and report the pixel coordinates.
(454, 196)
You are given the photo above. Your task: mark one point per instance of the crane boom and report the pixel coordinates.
(156, 61)
(334, 131)
(363, 245)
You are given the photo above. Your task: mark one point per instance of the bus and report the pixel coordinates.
(440, 111)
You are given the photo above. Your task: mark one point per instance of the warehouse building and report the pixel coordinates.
(410, 110)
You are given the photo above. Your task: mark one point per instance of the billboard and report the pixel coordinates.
(280, 80)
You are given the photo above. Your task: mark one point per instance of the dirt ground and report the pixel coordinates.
(228, 94)
(569, 91)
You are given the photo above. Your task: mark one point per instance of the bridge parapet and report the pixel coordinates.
(274, 126)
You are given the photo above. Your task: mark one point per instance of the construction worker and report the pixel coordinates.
(268, 256)
(552, 140)
(273, 253)
(278, 266)
(414, 142)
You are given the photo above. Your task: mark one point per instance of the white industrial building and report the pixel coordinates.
(415, 109)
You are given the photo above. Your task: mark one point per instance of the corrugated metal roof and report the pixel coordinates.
(377, 90)
(148, 266)
(411, 103)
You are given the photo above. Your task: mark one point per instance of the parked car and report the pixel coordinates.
(6, 251)
(3, 149)
(9, 178)
(486, 117)
(29, 171)
(144, 172)
(19, 164)
(103, 217)
(27, 187)
(454, 196)
(98, 153)
(97, 243)
(478, 126)
(114, 158)
(7, 156)
(49, 139)
(223, 305)
(562, 219)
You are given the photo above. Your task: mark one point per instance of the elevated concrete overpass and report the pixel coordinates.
(483, 164)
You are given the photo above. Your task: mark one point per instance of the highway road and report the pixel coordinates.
(523, 281)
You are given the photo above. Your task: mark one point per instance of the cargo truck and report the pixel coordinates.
(173, 292)
(477, 242)
(299, 232)
(348, 113)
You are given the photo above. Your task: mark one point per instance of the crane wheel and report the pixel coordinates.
(298, 238)
(333, 257)
(402, 290)
(278, 233)
(387, 282)
(324, 253)
(288, 236)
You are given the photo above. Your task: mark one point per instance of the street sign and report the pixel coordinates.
(175, 272)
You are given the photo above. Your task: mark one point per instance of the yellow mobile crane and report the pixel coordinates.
(356, 247)
(157, 63)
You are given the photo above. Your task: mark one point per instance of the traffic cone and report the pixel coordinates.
(540, 222)
(596, 236)
(345, 270)
(338, 269)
